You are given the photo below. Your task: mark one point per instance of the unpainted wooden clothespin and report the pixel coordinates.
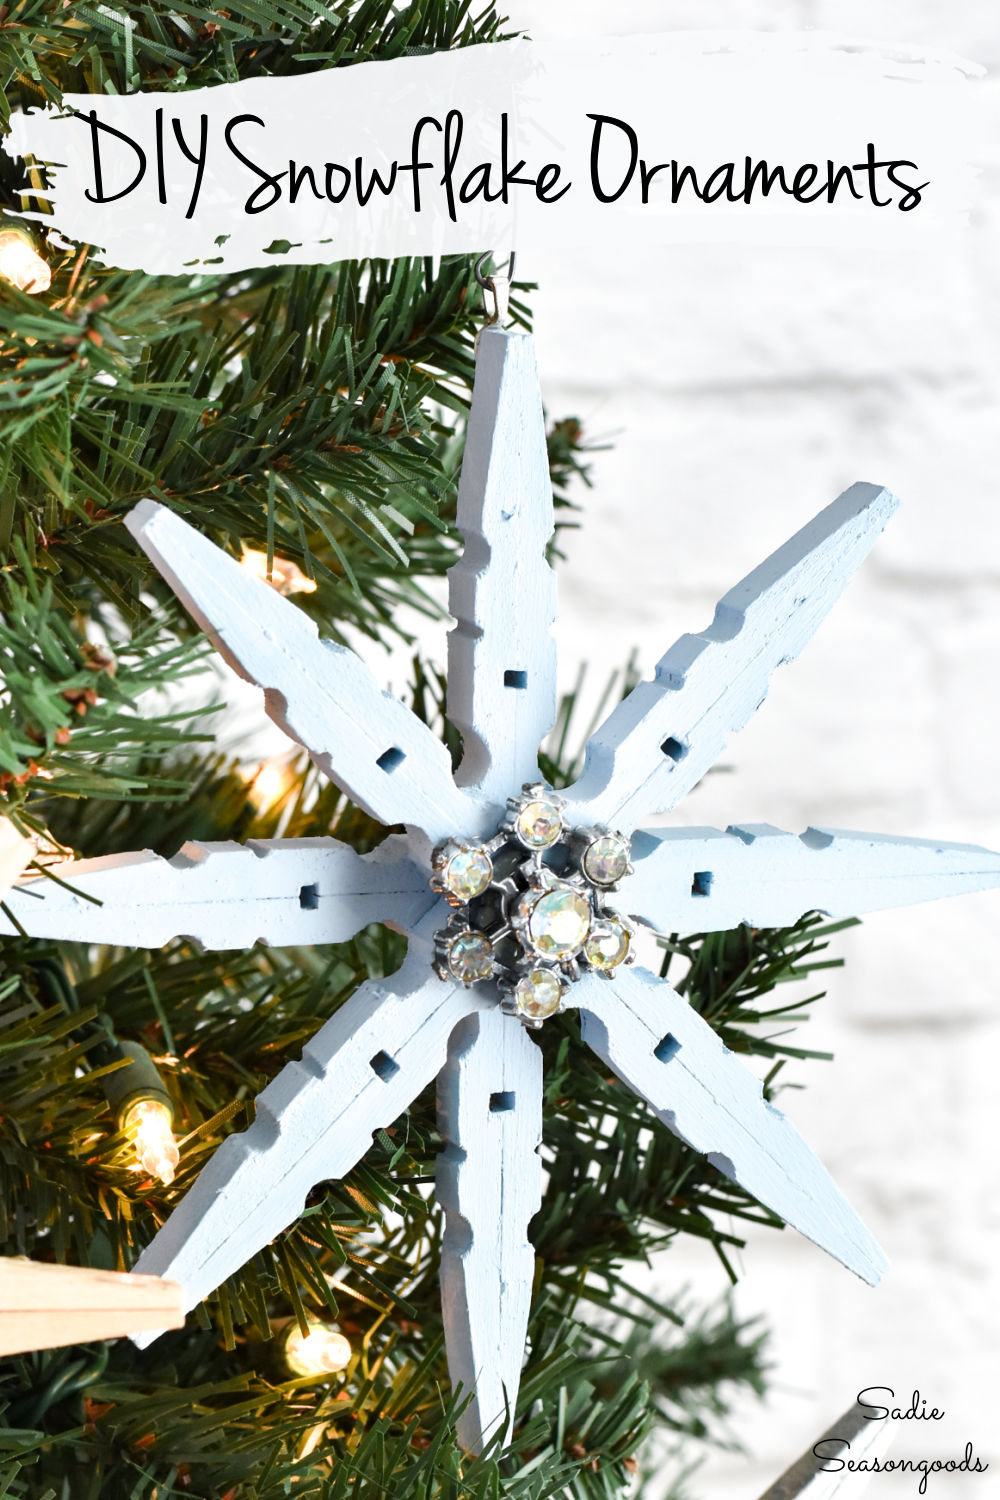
(16, 852)
(45, 1306)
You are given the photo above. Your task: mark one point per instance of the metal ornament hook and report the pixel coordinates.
(499, 286)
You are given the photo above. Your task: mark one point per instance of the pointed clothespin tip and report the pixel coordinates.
(46, 1306)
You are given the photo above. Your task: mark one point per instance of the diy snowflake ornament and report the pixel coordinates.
(517, 902)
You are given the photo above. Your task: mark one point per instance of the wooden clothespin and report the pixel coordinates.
(813, 1477)
(15, 853)
(44, 1306)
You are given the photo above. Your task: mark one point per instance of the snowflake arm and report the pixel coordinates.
(319, 693)
(701, 880)
(671, 1057)
(489, 1182)
(659, 742)
(278, 891)
(314, 1121)
(502, 660)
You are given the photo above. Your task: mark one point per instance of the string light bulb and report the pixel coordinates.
(144, 1112)
(284, 576)
(20, 263)
(270, 782)
(149, 1124)
(320, 1351)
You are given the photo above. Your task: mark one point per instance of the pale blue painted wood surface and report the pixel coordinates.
(278, 891)
(502, 592)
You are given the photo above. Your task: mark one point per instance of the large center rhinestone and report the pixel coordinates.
(559, 923)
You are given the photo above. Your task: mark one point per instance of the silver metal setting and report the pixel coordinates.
(441, 861)
(585, 839)
(518, 810)
(628, 927)
(445, 962)
(512, 1003)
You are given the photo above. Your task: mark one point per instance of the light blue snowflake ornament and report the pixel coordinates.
(517, 902)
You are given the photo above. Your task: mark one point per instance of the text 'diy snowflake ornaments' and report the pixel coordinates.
(517, 902)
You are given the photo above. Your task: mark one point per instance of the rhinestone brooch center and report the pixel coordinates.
(530, 905)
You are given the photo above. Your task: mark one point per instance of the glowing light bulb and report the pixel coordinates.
(270, 783)
(285, 577)
(149, 1122)
(20, 263)
(321, 1351)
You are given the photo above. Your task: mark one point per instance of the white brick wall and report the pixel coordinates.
(745, 389)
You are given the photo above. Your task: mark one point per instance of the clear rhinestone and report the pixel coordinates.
(538, 994)
(559, 923)
(605, 861)
(467, 873)
(539, 823)
(470, 957)
(607, 945)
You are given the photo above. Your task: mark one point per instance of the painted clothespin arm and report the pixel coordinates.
(321, 694)
(659, 742)
(279, 891)
(489, 1182)
(314, 1122)
(672, 1058)
(47, 1306)
(701, 880)
(502, 592)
